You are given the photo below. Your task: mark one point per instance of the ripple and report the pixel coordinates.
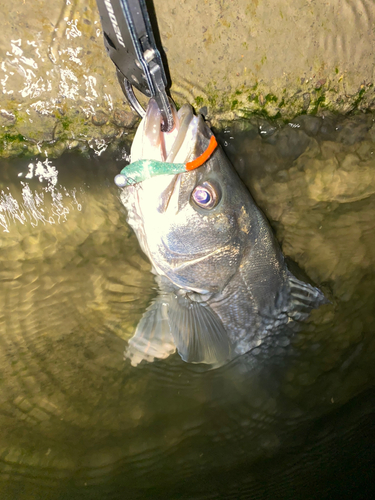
(78, 420)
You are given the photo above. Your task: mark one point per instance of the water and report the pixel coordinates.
(292, 419)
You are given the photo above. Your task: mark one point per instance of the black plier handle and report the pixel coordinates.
(130, 43)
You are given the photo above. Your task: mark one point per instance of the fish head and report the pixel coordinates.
(193, 226)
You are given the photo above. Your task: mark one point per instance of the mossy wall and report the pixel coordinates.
(236, 57)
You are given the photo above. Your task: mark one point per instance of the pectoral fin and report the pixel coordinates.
(152, 338)
(198, 332)
(176, 321)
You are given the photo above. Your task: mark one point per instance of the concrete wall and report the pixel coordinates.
(237, 57)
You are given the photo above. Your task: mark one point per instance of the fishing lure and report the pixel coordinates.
(141, 170)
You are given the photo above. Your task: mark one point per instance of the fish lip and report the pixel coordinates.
(185, 117)
(161, 146)
(163, 199)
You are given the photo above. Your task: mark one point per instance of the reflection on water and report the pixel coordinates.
(46, 205)
(77, 421)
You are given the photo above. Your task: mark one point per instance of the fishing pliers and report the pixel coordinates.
(130, 43)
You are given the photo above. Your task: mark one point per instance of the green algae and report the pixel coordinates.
(199, 100)
(257, 100)
(12, 144)
(69, 128)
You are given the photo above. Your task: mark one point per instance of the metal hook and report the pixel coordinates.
(129, 93)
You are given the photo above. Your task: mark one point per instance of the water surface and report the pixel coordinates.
(77, 421)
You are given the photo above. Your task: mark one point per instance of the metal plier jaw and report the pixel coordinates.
(130, 43)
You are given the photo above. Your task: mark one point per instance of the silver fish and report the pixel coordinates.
(223, 282)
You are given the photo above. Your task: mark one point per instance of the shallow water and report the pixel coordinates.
(77, 421)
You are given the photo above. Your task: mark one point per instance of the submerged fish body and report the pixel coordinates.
(223, 282)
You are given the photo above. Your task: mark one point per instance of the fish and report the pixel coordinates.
(223, 283)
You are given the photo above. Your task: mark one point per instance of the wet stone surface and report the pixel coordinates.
(54, 70)
(78, 422)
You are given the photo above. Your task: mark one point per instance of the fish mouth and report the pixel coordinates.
(151, 143)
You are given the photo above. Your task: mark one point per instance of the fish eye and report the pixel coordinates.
(206, 195)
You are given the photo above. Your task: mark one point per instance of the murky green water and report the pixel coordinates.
(291, 419)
